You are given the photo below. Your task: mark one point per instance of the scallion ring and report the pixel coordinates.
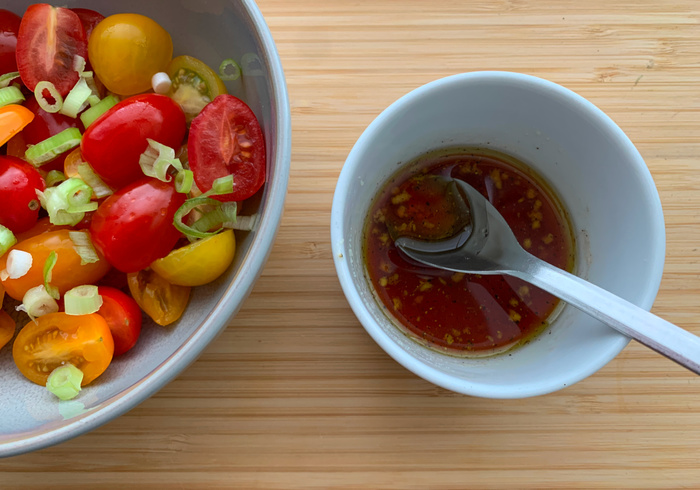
(53, 93)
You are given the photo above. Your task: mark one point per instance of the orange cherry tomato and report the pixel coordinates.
(42, 226)
(56, 339)
(13, 118)
(162, 301)
(7, 328)
(68, 271)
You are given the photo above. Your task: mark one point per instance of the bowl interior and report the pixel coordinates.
(592, 166)
(212, 31)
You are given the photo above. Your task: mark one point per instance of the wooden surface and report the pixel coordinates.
(295, 394)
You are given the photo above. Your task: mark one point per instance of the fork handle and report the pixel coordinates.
(656, 333)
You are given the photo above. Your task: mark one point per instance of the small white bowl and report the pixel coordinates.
(586, 158)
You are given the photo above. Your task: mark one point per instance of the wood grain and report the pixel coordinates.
(296, 395)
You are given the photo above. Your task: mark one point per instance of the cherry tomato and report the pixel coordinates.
(19, 182)
(68, 271)
(89, 19)
(123, 316)
(198, 263)
(9, 27)
(45, 125)
(162, 301)
(134, 226)
(7, 328)
(49, 38)
(226, 139)
(126, 50)
(194, 84)
(114, 142)
(56, 339)
(13, 118)
(42, 225)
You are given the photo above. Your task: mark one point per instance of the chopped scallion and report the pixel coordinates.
(184, 180)
(68, 202)
(10, 95)
(7, 78)
(83, 247)
(88, 117)
(223, 212)
(54, 177)
(157, 160)
(7, 240)
(229, 70)
(53, 93)
(82, 300)
(161, 83)
(76, 100)
(53, 146)
(220, 186)
(188, 206)
(37, 302)
(99, 188)
(65, 381)
(79, 64)
(18, 263)
(48, 270)
(243, 223)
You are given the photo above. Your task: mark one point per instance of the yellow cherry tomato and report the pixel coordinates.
(194, 84)
(126, 50)
(162, 301)
(7, 328)
(198, 263)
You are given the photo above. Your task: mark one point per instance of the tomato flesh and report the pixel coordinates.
(9, 27)
(123, 316)
(134, 226)
(56, 339)
(162, 301)
(114, 142)
(226, 139)
(19, 182)
(49, 38)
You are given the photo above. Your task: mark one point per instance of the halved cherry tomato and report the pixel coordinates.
(45, 125)
(89, 19)
(13, 118)
(56, 339)
(198, 263)
(114, 142)
(194, 84)
(68, 271)
(19, 182)
(123, 316)
(226, 139)
(49, 39)
(7, 328)
(162, 301)
(9, 27)
(126, 50)
(134, 226)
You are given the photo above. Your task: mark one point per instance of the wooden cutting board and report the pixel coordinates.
(295, 394)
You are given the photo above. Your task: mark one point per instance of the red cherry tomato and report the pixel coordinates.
(114, 142)
(9, 27)
(49, 39)
(90, 19)
(19, 182)
(225, 138)
(134, 226)
(45, 125)
(123, 316)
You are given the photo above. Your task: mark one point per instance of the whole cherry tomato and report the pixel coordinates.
(114, 142)
(134, 226)
(123, 316)
(57, 338)
(19, 182)
(9, 27)
(68, 271)
(225, 138)
(49, 38)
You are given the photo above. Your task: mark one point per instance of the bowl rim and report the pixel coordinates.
(217, 319)
(418, 367)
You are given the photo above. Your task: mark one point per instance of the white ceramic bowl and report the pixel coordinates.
(30, 417)
(585, 157)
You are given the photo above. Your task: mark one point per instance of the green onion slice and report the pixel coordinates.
(64, 381)
(82, 300)
(76, 100)
(7, 240)
(222, 212)
(99, 108)
(37, 302)
(7, 78)
(243, 223)
(220, 186)
(184, 180)
(53, 146)
(54, 177)
(10, 95)
(83, 247)
(48, 270)
(157, 160)
(45, 104)
(68, 202)
(229, 70)
(99, 188)
(79, 64)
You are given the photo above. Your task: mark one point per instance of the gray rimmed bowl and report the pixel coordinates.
(30, 417)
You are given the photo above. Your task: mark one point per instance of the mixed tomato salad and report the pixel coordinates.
(122, 173)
